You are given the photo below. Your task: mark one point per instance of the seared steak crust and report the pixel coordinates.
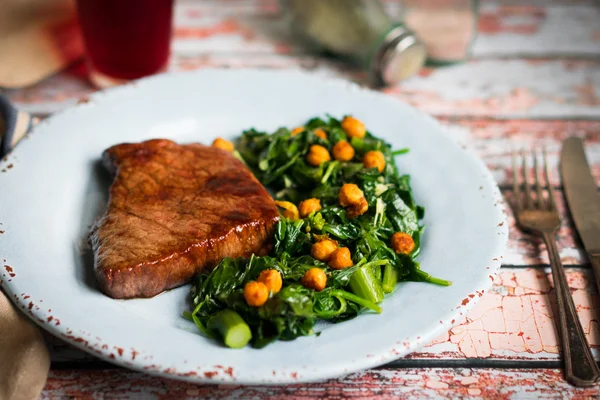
(173, 211)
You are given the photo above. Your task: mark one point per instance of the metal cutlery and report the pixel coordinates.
(540, 216)
(583, 199)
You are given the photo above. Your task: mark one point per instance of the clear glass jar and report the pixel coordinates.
(362, 31)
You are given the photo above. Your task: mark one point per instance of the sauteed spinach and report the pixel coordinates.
(377, 222)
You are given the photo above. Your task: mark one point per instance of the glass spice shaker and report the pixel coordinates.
(361, 31)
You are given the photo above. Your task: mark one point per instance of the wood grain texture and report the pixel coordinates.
(250, 34)
(505, 30)
(537, 30)
(425, 383)
(513, 321)
(507, 88)
(494, 141)
(535, 61)
(484, 88)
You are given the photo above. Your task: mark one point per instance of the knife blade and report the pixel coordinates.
(582, 197)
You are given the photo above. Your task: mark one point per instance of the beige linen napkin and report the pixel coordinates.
(37, 39)
(24, 358)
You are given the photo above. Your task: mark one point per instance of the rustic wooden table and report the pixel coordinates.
(534, 80)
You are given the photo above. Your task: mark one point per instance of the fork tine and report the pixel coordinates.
(528, 202)
(551, 202)
(538, 186)
(516, 184)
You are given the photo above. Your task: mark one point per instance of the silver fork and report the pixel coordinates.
(541, 217)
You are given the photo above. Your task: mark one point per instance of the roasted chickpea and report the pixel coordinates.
(353, 127)
(360, 208)
(272, 279)
(256, 293)
(350, 194)
(323, 250)
(402, 243)
(314, 278)
(343, 151)
(374, 159)
(290, 211)
(320, 132)
(317, 155)
(309, 206)
(222, 144)
(341, 259)
(297, 130)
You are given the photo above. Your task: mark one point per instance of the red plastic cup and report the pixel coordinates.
(125, 39)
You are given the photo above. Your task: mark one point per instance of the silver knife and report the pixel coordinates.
(582, 196)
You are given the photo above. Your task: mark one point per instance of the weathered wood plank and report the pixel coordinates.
(274, 3)
(513, 321)
(526, 3)
(423, 383)
(542, 30)
(494, 141)
(499, 88)
(504, 30)
(507, 88)
(240, 34)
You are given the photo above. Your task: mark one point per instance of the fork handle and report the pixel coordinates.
(580, 367)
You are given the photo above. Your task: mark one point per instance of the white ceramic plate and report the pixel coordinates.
(55, 190)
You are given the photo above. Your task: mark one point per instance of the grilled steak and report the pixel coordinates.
(173, 211)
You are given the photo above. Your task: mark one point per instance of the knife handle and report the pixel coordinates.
(595, 260)
(580, 367)
(14, 125)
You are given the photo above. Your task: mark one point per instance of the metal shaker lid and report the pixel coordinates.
(400, 55)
